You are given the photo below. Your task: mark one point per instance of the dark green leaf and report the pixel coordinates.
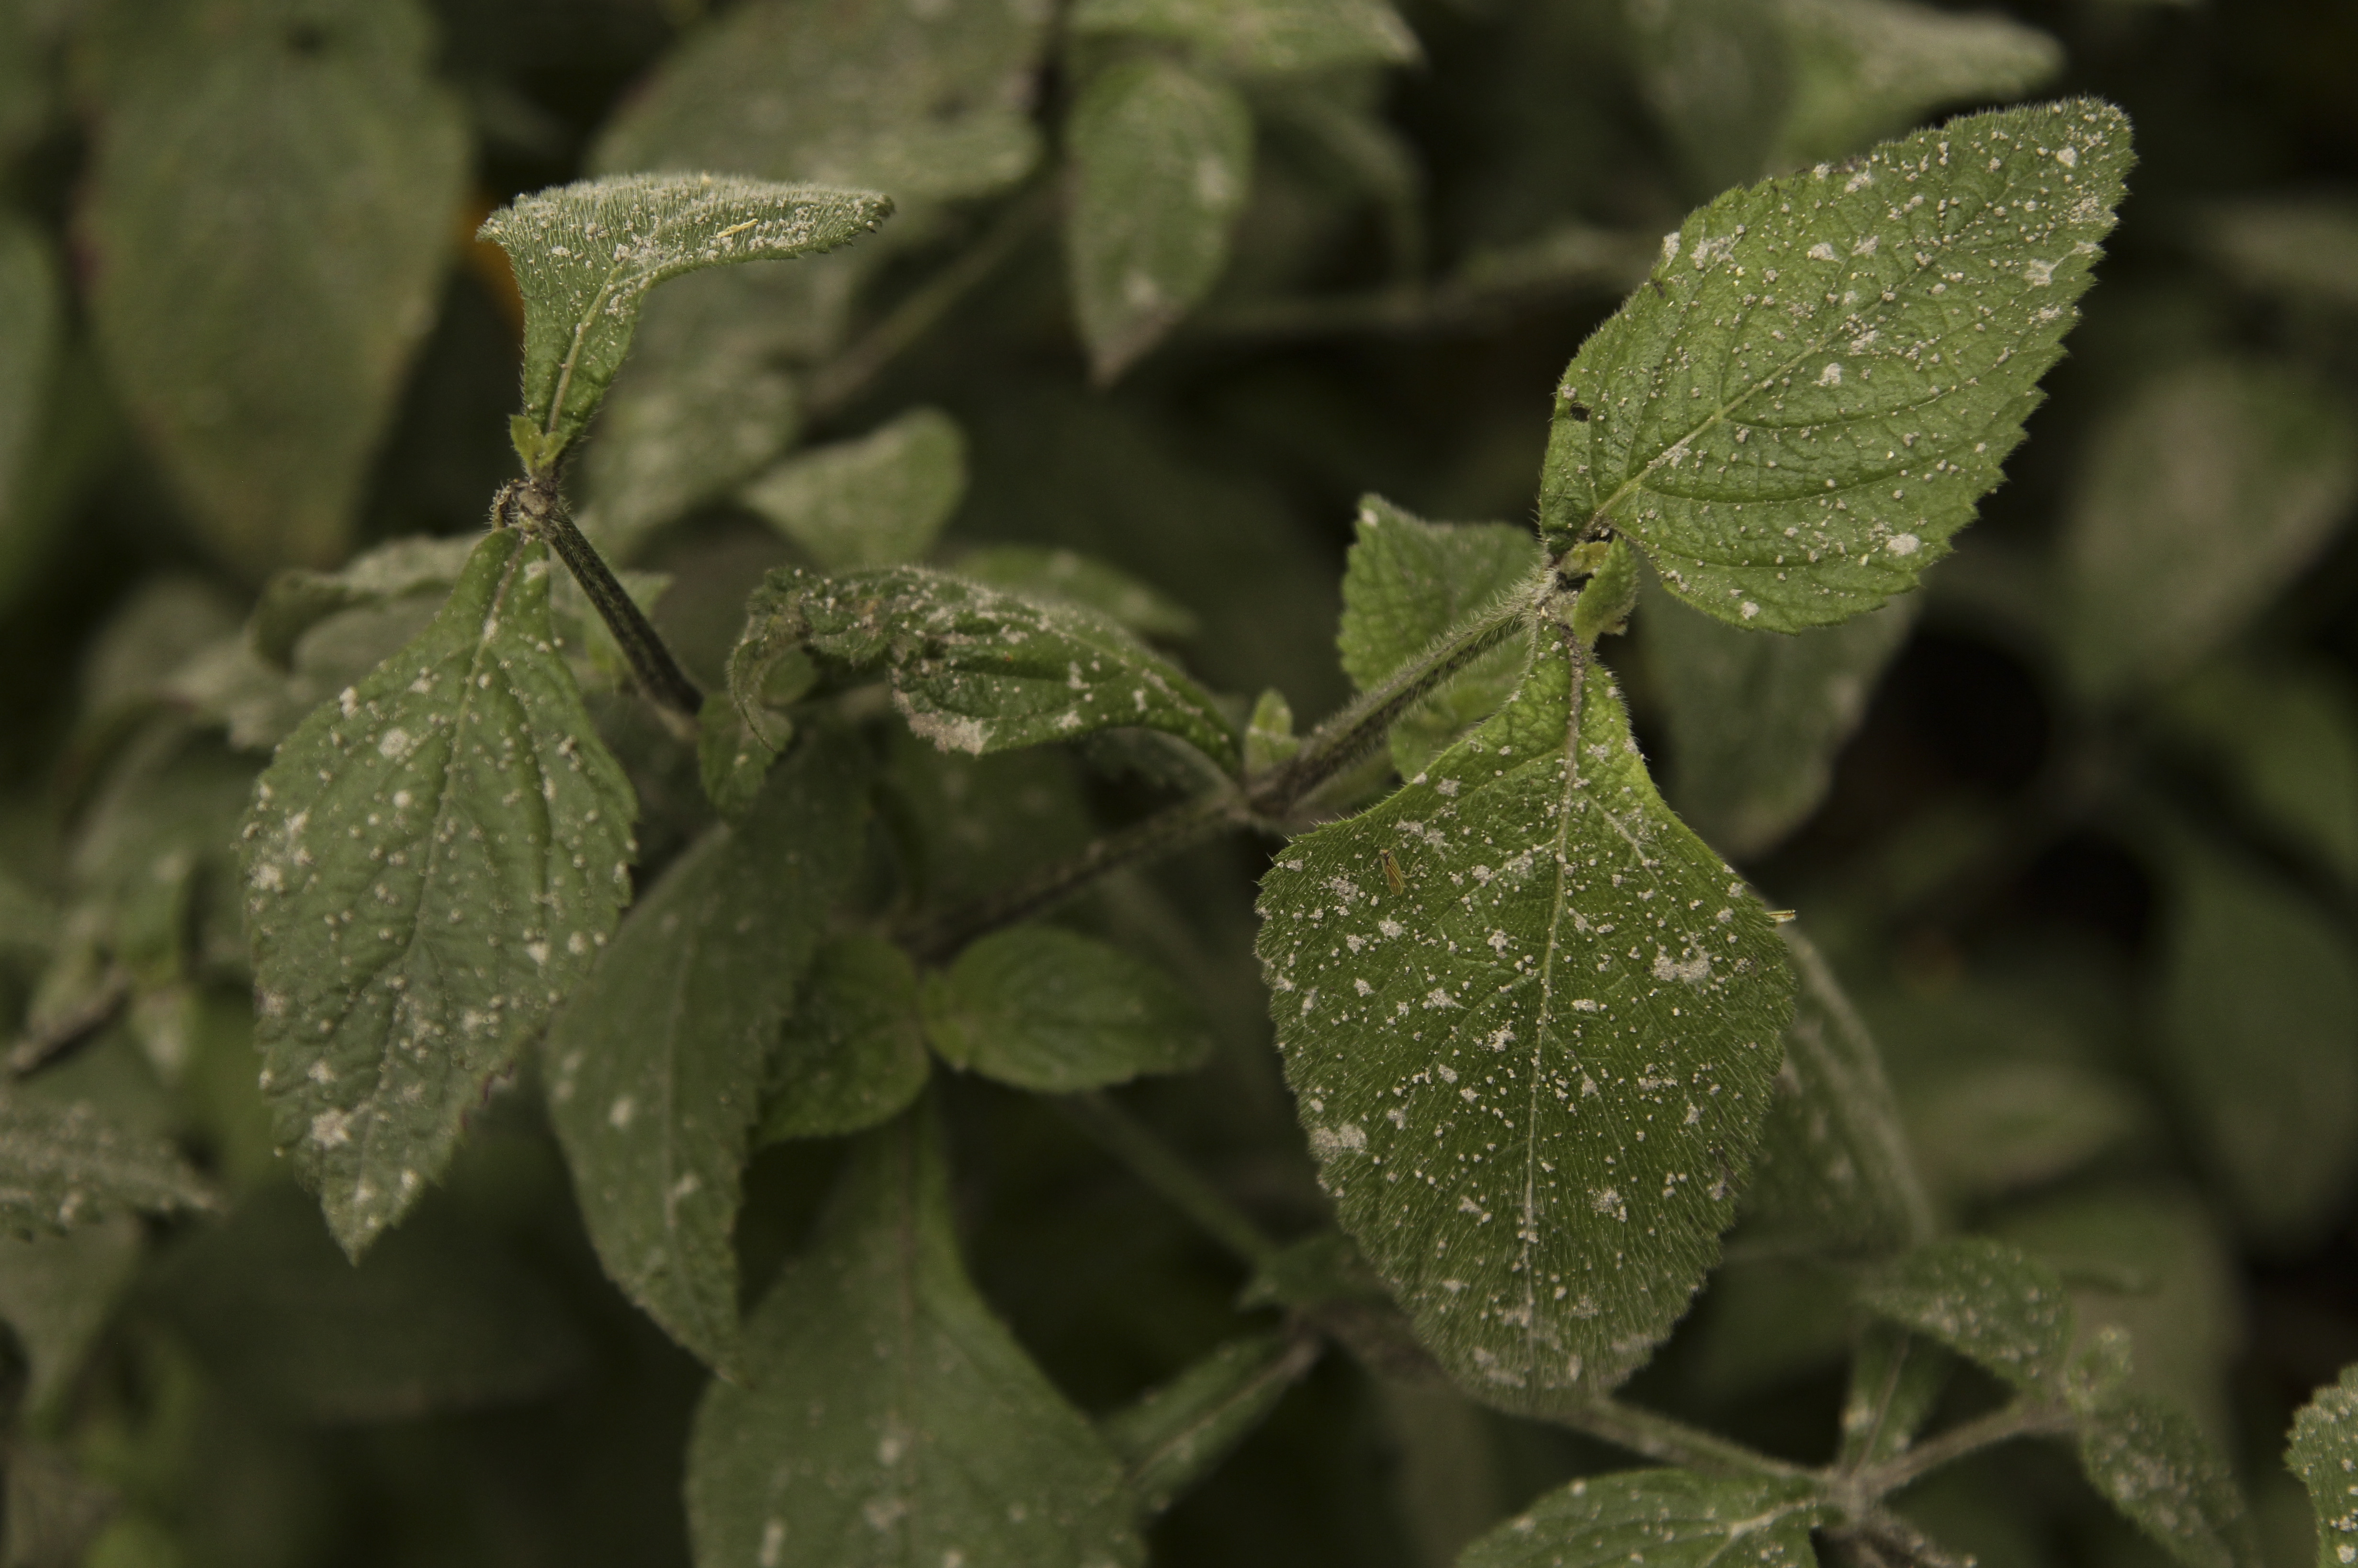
(1665, 1519)
(1792, 450)
(56, 1294)
(1063, 577)
(969, 825)
(1263, 35)
(1178, 1434)
(657, 1061)
(1529, 1018)
(1717, 76)
(2304, 246)
(431, 862)
(880, 500)
(1896, 1378)
(1161, 164)
(32, 322)
(2324, 1454)
(268, 218)
(1052, 1010)
(1980, 1129)
(1990, 1303)
(65, 1167)
(2159, 1469)
(1863, 70)
(2285, 739)
(853, 1056)
(887, 1418)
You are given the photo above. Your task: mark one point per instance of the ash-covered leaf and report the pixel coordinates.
(1825, 372)
(887, 1418)
(852, 1056)
(1263, 35)
(431, 862)
(1665, 1519)
(2324, 1454)
(1990, 1303)
(656, 1063)
(2154, 1465)
(1066, 576)
(1178, 1432)
(63, 1167)
(878, 501)
(1054, 1011)
(1530, 1022)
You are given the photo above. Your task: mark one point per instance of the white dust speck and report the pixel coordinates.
(617, 1115)
(1830, 375)
(1903, 544)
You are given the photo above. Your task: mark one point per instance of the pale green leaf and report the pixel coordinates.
(1756, 722)
(259, 703)
(2284, 737)
(298, 598)
(1405, 582)
(1263, 35)
(1791, 450)
(32, 322)
(656, 1062)
(1664, 1519)
(1993, 1304)
(62, 1167)
(586, 255)
(1270, 739)
(432, 861)
(1896, 1380)
(1178, 1434)
(2306, 247)
(887, 1418)
(1161, 163)
(1863, 70)
(1834, 1169)
(1983, 1128)
(1064, 576)
(732, 760)
(2156, 1466)
(976, 669)
(268, 215)
(1717, 75)
(2324, 1454)
(1056, 1012)
(879, 501)
(56, 1294)
(2201, 495)
(853, 1055)
(1529, 1018)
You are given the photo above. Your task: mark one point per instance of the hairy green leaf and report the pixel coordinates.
(887, 1418)
(1528, 1019)
(976, 669)
(657, 1060)
(1665, 1519)
(2324, 1454)
(586, 255)
(1063, 577)
(879, 501)
(56, 1294)
(431, 862)
(62, 1167)
(1056, 1012)
(2158, 1468)
(1896, 1378)
(1161, 164)
(1863, 70)
(2284, 737)
(1179, 1432)
(268, 214)
(1756, 722)
(1825, 371)
(1990, 1303)
(1405, 582)
(1263, 35)
(2201, 496)
(853, 1055)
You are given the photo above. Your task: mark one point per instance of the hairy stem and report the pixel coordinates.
(535, 506)
(2022, 1418)
(1663, 1438)
(1158, 1165)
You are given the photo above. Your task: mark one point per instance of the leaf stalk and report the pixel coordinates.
(535, 507)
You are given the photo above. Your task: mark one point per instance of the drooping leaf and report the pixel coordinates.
(1065, 576)
(887, 1418)
(1756, 722)
(2156, 1468)
(431, 862)
(1665, 1519)
(32, 319)
(2284, 738)
(1791, 450)
(1528, 1019)
(1896, 1378)
(1990, 1303)
(56, 1294)
(853, 1055)
(1054, 1011)
(879, 501)
(1178, 1434)
(2201, 495)
(1863, 70)
(975, 669)
(657, 1060)
(1263, 35)
(1161, 163)
(1405, 582)
(1834, 1169)
(62, 1167)
(269, 212)
(2324, 1454)
(586, 255)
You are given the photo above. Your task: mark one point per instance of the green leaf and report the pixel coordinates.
(1863, 70)
(879, 501)
(32, 322)
(1896, 1378)
(731, 760)
(1756, 722)
(431, 862)
(62, 1167)
(56, 1294)
(297, 599)
(2156, 1468)
(887, 1418)
(586, 255)
(1054, 1011)
(976, 669)
(2324, 1454)
(2258, 1025)
(1263, 35)
(2201, 496)
(1161, 163)
(268, 215)
(853, 1055)
(1665, 1519)
(1990, 1303)
(969, 825)
(1980, 1129)
(1063, 577)
(1883, 369)
(1179, 1432)
(1552, 1033)
(2303, 247)
(1834, 1170)
(2285, 738)
(1270, 739)
(1717, 76)
(657, 1060)
(1405, 582)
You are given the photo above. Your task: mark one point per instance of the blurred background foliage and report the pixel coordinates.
(2078, 825)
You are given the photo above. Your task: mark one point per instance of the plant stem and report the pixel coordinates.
(535, 506)
(2022, 1418)
(1663, 1438)
(1154, 1163)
